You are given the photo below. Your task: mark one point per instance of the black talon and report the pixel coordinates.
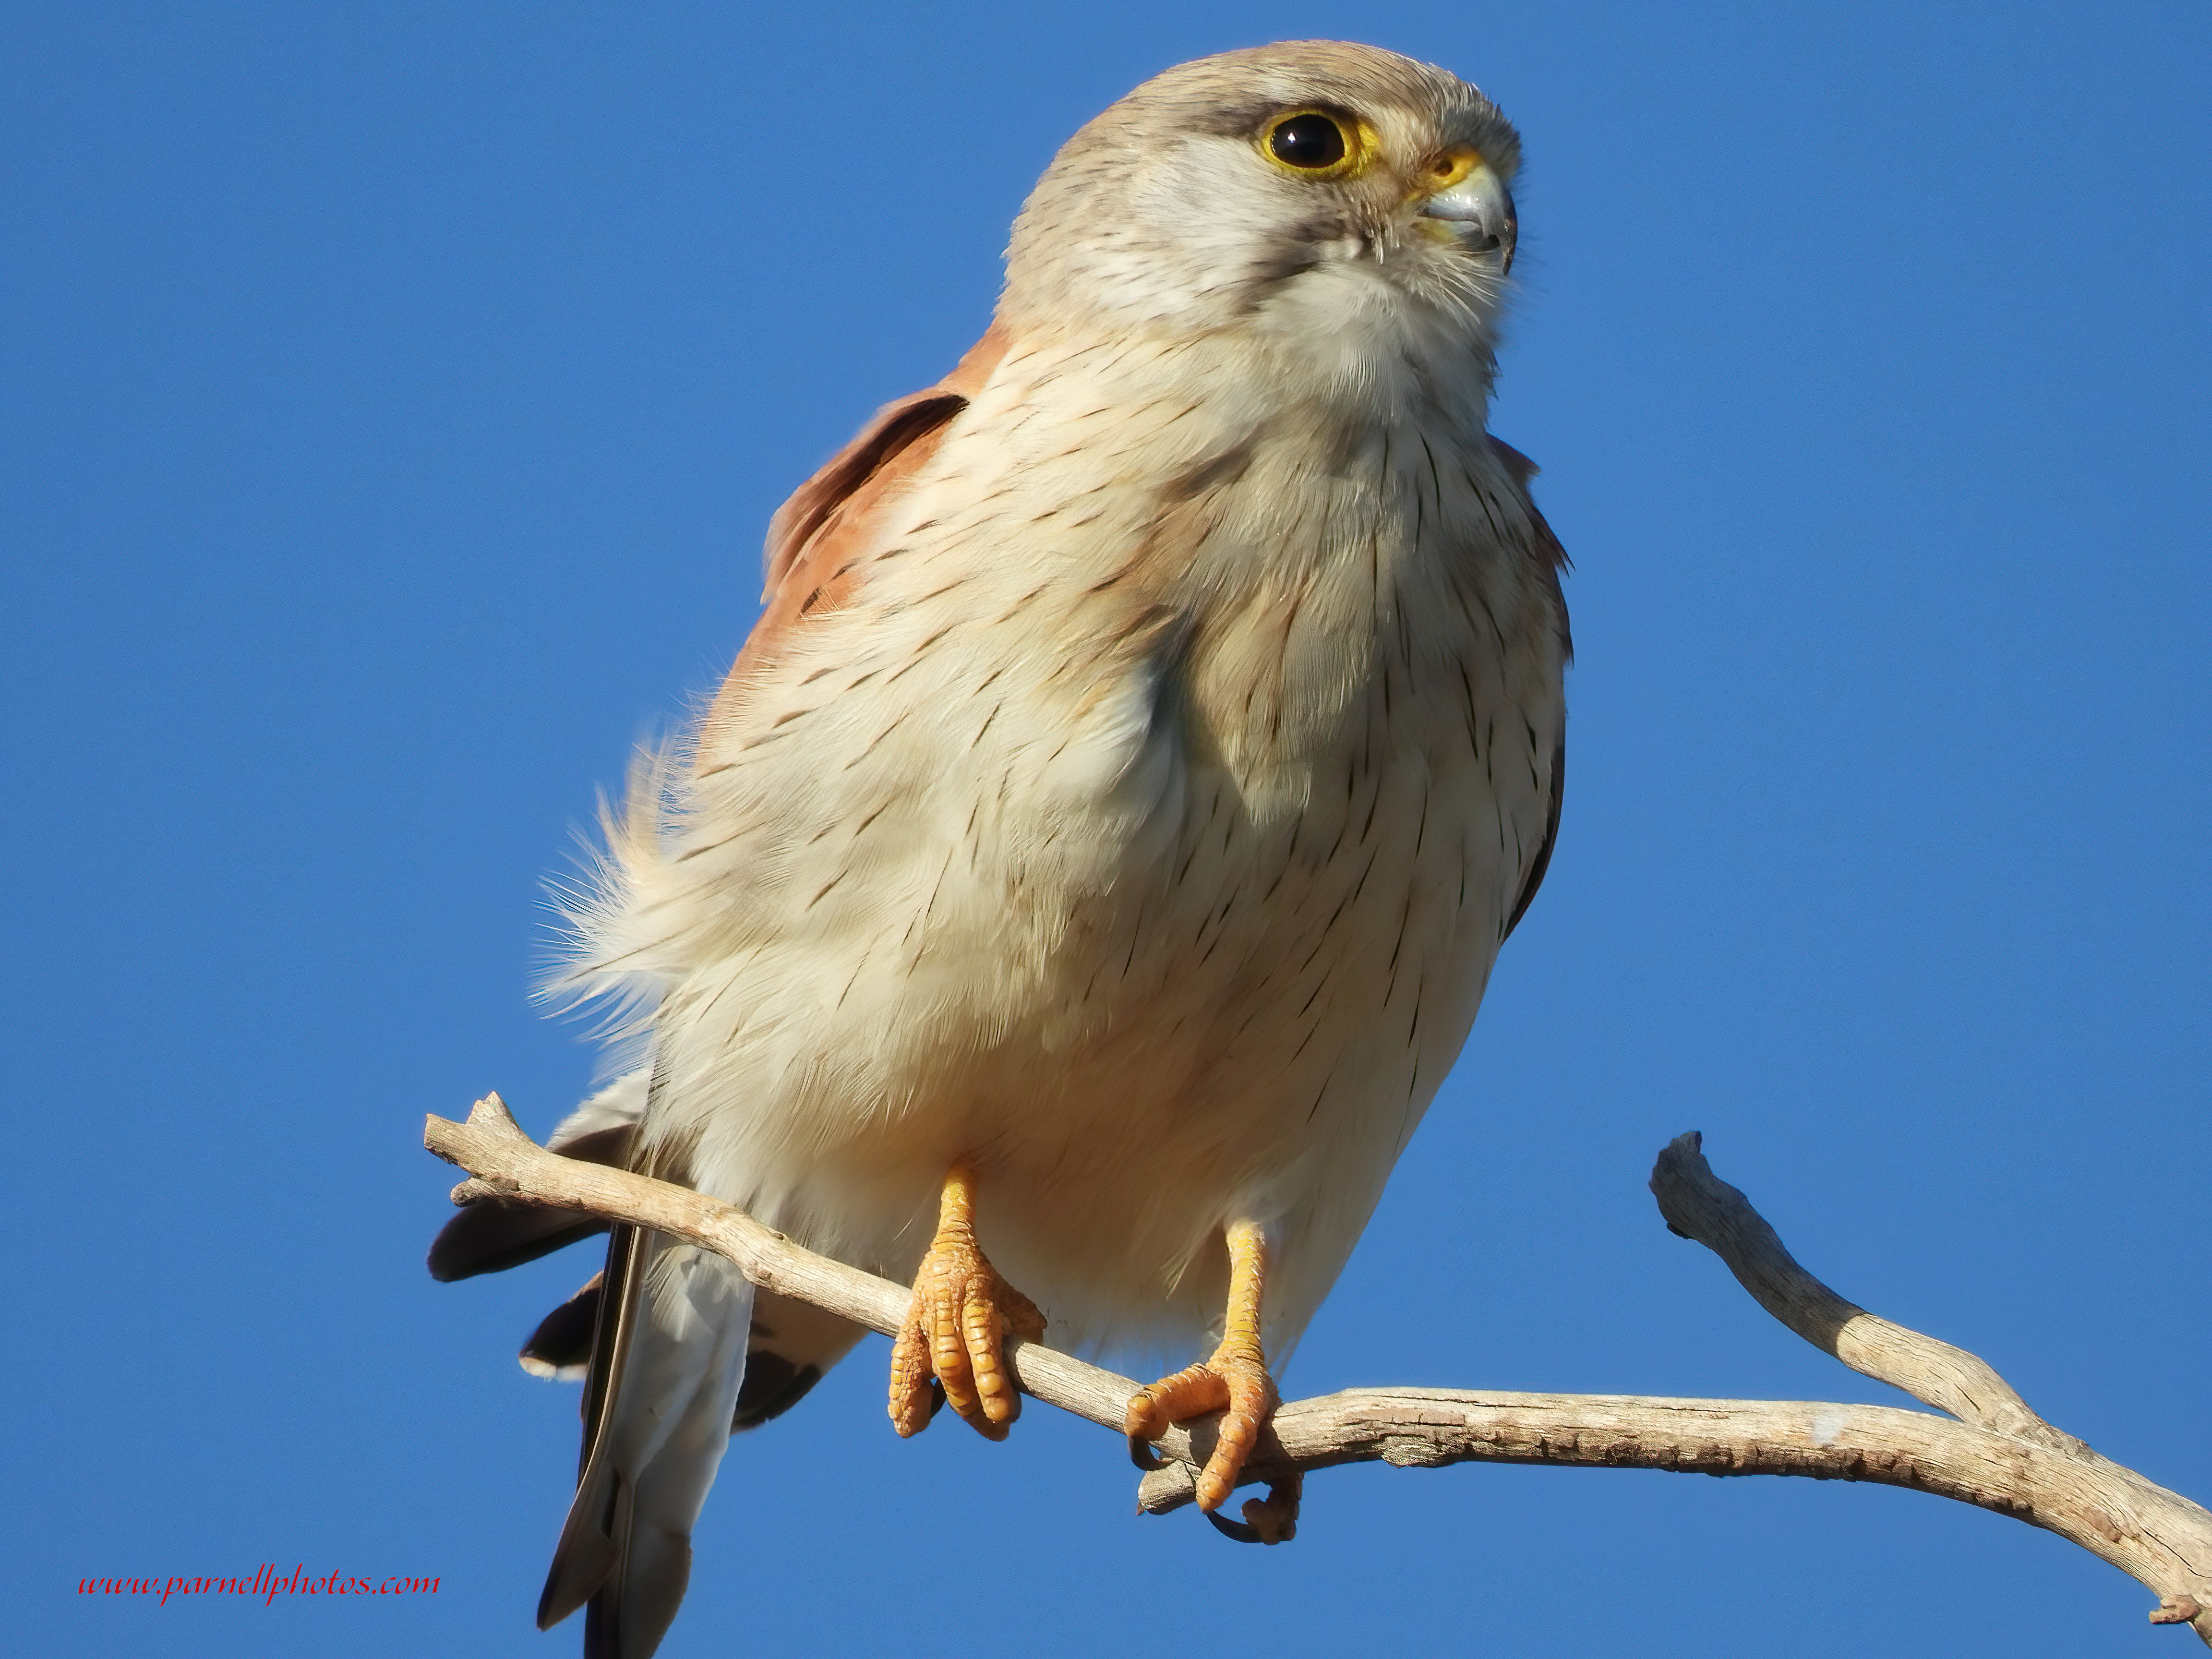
(1280, 1511)
(1242, 1532)
(936, 1397)
(1142, 1454)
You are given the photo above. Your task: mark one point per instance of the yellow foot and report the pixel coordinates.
(1234, 1380)
(956, 1331)
(1237, 1382)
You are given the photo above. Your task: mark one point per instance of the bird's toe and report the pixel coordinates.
(955, 1337)
(1234, 1382)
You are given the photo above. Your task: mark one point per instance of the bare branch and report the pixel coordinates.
(1699, 1205)
(1997, 1454)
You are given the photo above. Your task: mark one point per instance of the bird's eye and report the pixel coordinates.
(1308, 142)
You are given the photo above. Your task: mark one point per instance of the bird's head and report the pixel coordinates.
(1312, 190)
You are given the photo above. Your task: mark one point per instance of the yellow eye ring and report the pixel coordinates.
(1317, 143)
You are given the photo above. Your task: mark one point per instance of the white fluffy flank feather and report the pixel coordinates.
(609, 960)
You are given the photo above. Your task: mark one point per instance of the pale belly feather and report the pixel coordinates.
(1156, 957)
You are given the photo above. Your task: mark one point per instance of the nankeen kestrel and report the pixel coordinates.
(1093, 862)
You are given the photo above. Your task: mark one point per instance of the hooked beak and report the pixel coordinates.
(1478, 209)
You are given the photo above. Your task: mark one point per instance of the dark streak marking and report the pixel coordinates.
(1332, 915)
(690, 853)
(1436, 483)
(896, 721)
(920, 651)
(1025, 599)
(853, 980)
(721, 991)
(930, 910)
(1359, 886)
(1497, 632)
(1318, 1098)
(1189, 859)
(1404, 920)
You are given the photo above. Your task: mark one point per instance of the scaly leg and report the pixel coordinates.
(956, 1330)
(1235, 1377)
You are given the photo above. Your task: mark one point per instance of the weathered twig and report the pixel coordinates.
(1992, 1451)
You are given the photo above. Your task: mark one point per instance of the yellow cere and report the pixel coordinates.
(1449, 169)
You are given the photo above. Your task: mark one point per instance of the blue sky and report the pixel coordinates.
(395, 395)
